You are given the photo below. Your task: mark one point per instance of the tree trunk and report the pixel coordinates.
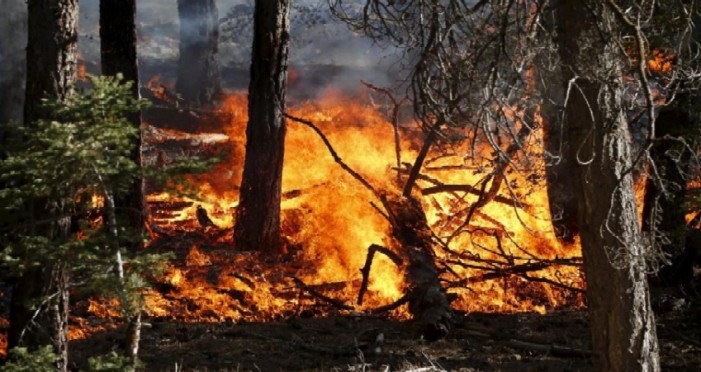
(199, 81)
(118, 52)
(51, 72)
(558, 170)
(621, 320)
(258, 214)
(664, 214)
(13, 25)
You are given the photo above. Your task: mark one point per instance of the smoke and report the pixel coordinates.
(323, 51)
(13, 39)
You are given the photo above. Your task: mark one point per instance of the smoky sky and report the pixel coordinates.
(13, 40)
(317, 39)
(323, 51)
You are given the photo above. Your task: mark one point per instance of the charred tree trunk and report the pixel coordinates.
(621, 320)
(428, 301)
(199, 81)
(51, 72)
(118, 52)
(258, 214)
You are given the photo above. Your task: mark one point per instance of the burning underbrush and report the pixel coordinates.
(498, 257)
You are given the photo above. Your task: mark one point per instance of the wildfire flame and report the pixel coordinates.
(329, 223)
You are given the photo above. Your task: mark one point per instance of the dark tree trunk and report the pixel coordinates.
(664, 214)
(52, 58)
(258, 214)
(621, 320)
(118, 52)
(199, 82)
(51, 72)
(13, 25)
(558, 170)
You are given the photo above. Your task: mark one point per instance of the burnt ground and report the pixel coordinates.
(479, 342)
(346, 341)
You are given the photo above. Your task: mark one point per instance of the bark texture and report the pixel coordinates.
(51, 72)
(118, 54)
(199, 82)
(621, 320)
(258, 214)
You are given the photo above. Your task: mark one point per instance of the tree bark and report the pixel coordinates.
(199, 82)
(258, 214)
(118, 54)
(622, 323)
(51, 72)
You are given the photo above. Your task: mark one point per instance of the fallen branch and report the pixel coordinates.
(368, 265)
(334, 154)
(471, 190)
(314, 293)
(395, 123)
(401, 301)
(553, 349)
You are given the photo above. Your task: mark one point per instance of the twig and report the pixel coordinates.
(401, 301)
(368, 265)
(332, 301)
(334, 154)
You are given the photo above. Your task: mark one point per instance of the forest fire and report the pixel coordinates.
(507, 259)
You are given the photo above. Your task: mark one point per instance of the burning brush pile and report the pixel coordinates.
(345, 231)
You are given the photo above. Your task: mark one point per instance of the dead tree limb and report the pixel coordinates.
(401, 301)
(428, 301)
(496, 177)
(471, 190)
(314, 293)
(418, 163)
(553, 349)
(394, 117)
(368, 265)
(334, 154)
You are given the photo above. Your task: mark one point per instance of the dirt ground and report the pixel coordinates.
(479, 342)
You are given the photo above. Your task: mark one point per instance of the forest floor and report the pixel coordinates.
(347, 341)
(480, 342)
